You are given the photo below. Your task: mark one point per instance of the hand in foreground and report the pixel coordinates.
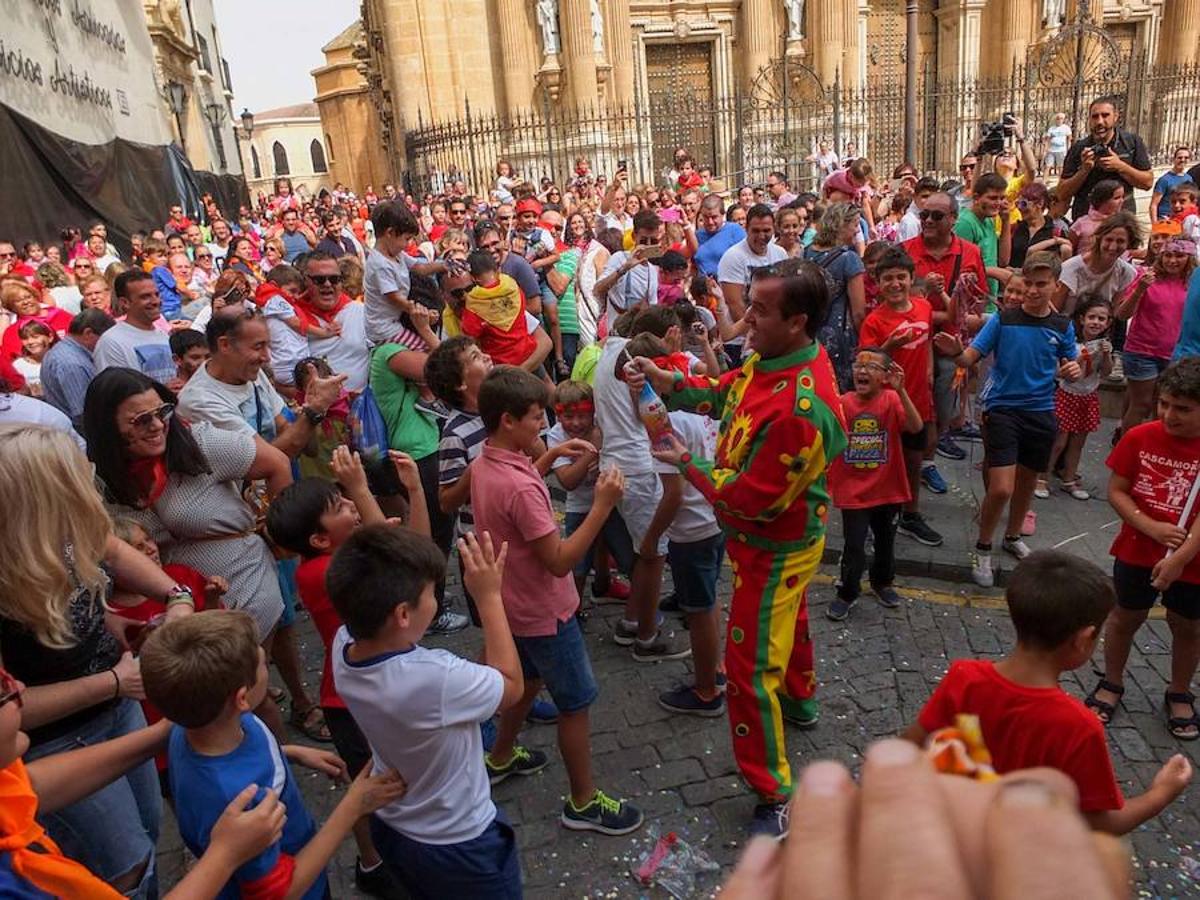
(483, 567)
(947, 344)
(239, 834)
(610, 485)
(909, 832)
(322, 391)
(576, 447)
(407, 472)
(347, 468)
(672, 454)
(371, 792)
(323, 761)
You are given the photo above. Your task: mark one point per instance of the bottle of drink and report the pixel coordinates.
(653, 413)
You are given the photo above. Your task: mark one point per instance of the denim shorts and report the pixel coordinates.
(285, 570)
(615, 536)
(115, 829)
(1140, 367)
(561, 662)
(486, 866)
(695, 567)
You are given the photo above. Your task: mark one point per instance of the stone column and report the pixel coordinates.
(1017, 21)
(961, 24)
(851, 65)
(579, 52)
(759, 37)
(618, 44)
(519, 65)
(826, 38)
(1179, 33)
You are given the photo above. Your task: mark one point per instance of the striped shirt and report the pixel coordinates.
(462, 441)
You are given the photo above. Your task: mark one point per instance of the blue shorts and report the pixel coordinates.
(1140, 367)
(486, 866)
(561, 662)
(695, 568)
(549, 298)
(285, 570)
(615, 536)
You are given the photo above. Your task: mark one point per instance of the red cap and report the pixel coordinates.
(529, 205)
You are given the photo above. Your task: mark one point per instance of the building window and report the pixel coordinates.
(317, 152)
(205, 59)
(329, 147)
(281, 163)
(225, 76)
(254, 164)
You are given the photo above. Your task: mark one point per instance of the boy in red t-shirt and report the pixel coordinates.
(1057, 603)
(1155, 467)
(312, 518)
(868, 480)
(902, 326)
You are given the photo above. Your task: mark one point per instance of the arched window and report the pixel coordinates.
(281, 163)
(254, 164)
(329, 147)
(317, 152)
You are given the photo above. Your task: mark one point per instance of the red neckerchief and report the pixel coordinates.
(310, 312)
(150, 473)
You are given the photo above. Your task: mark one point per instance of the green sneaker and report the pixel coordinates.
(801, 713)
(602, 814)
(522, 762)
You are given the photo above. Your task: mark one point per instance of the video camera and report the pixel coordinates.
(992, 134)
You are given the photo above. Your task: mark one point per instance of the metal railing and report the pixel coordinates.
(747, 136)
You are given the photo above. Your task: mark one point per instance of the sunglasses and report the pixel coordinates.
(7, 255)
(935, 215)
(966, 167)
(10, 692)
(325, 279)
(203, 256)
(143, 421)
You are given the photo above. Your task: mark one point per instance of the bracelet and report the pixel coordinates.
(685, 460)
(116, 683)
(179, 593)
(676, 380)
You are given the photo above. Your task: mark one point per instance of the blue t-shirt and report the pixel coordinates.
(203, 786)
(712, 246)
(1028, 350)
(293, 245)
(1166, 183)
(1189, 331)
(172, 300)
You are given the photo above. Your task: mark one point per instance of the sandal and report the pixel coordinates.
(1075, 489)
(311, 723)
(277, 694)
(1104, 711)
(1179, 725)
(1042, 490)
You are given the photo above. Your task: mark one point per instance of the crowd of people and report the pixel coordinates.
(320, 403)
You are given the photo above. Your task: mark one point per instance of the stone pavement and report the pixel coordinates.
(876, 670)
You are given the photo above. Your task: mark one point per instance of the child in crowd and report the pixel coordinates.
(155, 262)
(869, 481)
(902, 326)
(189, 351)
(510, 501)
(36, 340)
(495, 312)
(386, 280)
(1058, 603)
(1154, 471)
(1037, 347)
(289, 325)
(420, 708)
(332, 432)
(575, 419)
(313, 518)
(205, 672)
(1077, 403)
(1184, 210)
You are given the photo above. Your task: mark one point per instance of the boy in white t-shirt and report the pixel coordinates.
(386, 281)
(420, 708)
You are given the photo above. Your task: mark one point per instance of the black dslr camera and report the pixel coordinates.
(993, 134)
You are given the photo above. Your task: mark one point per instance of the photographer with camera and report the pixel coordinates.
(1106, 152)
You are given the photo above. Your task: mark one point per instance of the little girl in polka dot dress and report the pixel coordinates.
(1077, 403)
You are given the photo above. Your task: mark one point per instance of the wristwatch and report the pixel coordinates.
(179, 593)
(314, 417)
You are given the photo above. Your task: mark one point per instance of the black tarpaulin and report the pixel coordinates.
(48, 182)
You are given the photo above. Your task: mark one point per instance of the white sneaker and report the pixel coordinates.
(1041, 491)
(1075, 489)
(981, 569)
(1017, 548)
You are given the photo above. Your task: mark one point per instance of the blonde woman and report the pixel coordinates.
(55, 635)
(612, 210)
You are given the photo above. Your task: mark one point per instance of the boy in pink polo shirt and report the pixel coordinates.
(510, 501)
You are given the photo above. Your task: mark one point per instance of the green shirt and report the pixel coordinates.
(409, 429)
(981, 233)
(568, 320)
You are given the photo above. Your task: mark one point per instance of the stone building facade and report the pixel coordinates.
(287, 142)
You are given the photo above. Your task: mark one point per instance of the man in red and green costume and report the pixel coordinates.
(781, 427)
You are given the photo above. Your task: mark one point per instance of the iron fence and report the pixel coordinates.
(780, 120)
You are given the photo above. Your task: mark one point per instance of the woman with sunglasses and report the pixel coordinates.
(204, 273)
(183, 484)
(1035, 231)
(58, 638)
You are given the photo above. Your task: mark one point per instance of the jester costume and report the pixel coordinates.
(781, 426)
(495, 317)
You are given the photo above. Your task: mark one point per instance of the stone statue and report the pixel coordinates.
(547, 16)
(597, 28)
(1055, 11)
(795, 16)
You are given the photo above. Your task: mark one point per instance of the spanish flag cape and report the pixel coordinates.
(29, 853)
(499, 305)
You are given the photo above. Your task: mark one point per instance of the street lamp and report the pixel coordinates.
(177, 97)
(247, 122)
(216, 113)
